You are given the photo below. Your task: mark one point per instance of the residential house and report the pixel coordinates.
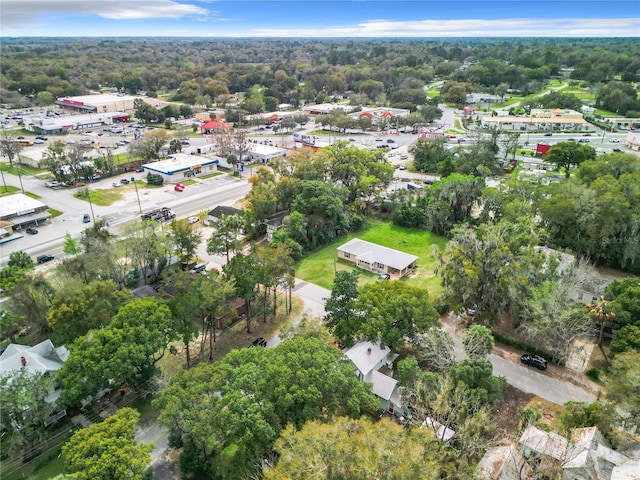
(588, 288)
(219, 212)
(374, 364)
(274, 222)
(376, 258)
(42, 358)
(585, 455)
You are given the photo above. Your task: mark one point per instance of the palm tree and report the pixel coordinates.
(598, 311)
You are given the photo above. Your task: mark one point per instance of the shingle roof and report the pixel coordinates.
(40, 358)
(371, 252)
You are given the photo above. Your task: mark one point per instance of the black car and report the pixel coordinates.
(86, 218)
(44, 258)
(383, 277)
(617, 150)
(258, 342)
(31, 231)
(534, 360)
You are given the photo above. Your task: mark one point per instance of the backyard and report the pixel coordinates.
(320, 266)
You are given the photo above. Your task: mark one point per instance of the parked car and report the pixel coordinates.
(139, 170)
(391, 140)
(258, 342)
(194, 219)
(201, 267)
(53, 184)
(115, 184)
(31, 230)
(534, 360)
(403, 167)
(404, 156)
(44, 258)
(178, 187)
(124, 181)
(86, 218)
(383, 277)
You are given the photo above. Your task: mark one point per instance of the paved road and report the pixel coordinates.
(207, 193)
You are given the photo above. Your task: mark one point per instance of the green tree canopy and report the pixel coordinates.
(108, 450)
(344, 449)
(393, 312)
(253, 393)
(124, 351)
(75, 311)
(567, 155)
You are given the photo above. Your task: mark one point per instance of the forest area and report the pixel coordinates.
(296, 410)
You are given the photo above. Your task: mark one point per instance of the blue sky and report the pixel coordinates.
(320, 18)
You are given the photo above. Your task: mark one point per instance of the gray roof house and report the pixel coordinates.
(42, 358)
(585, 455)
(372, 361)
(376, 258)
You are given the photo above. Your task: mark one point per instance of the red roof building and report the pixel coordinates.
(211, 126)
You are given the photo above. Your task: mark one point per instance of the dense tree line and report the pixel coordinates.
(392, 72)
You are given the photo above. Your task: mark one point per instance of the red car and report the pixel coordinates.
(179, 187)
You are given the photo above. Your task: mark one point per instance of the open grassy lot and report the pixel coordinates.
(100, 197)
(319, 267)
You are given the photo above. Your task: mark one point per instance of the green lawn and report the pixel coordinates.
(100, 197)
(8, 190)
(319, 267)
(210, 175)
(24, 169)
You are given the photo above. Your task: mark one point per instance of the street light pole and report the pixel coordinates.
(133, 180)
(90, 204)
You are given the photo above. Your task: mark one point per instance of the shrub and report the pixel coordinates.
(155, 180)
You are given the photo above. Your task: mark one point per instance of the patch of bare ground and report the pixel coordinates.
(505, 412)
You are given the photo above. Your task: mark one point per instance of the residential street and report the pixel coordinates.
(520, 376)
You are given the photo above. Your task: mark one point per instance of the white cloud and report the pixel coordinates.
(515, 27)
(18, 13)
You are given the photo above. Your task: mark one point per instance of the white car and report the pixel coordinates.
(615, 140)
(378, 139)
(193, 219)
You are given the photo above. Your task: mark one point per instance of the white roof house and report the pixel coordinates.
(376, 258)
(586, 454)
(41, 358)
(368, 358)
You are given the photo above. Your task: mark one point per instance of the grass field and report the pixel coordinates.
(319, 267)
(100, 197)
